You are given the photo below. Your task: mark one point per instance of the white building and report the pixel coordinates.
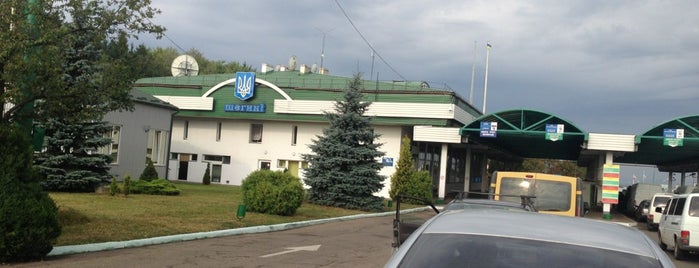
(238, 128)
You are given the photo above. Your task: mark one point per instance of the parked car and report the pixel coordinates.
(641, 211)
(653, 218)
(679, 224)
(402, 228)
(504, 238)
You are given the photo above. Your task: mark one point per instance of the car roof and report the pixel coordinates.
(543, 227)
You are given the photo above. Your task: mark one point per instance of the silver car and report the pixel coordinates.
(503, 238)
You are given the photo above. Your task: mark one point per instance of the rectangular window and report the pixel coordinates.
(265, 164)
(294, 134)
(224, 159)
(155, 149)
(256, 133)
(112, 149)
(185, 130)
(218, 131)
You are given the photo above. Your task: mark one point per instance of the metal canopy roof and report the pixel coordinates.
(523, 133)
(652, 151)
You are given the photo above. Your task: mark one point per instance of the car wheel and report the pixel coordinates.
(663, 246)
(679, 253)
(649, 226)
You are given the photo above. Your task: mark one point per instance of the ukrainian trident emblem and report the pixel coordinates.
(244, 85)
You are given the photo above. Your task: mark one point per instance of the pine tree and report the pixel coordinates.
(343, 169)
(404, 169)
(70, 162)
(206, 180)
(149, 173)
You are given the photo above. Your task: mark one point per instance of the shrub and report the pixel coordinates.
(114, 187)
(155, 187)
(28, 216)
(206, 180)
(127, 185)
(149, 173)
(419, 185)
(272, 192)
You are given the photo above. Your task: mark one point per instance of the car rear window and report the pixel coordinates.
(694, 207)
(463, 250)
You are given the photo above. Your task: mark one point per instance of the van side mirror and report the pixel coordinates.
(659, 209)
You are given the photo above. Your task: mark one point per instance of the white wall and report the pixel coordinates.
(245, 156)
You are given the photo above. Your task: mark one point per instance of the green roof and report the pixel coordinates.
(299, 86)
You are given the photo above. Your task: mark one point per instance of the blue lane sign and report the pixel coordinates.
(489, 129)
(673, 137)
(554, 132)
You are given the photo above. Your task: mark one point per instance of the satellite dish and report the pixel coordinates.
(184, 65)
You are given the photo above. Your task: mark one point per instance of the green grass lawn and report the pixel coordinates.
(92, 217)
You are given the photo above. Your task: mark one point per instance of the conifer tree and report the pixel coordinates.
(404, 169)
(71, 162)
(343, 168)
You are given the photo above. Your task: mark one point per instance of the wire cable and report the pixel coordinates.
(367, 42)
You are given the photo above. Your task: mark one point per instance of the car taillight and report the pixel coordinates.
(650, 217)
(684, 237)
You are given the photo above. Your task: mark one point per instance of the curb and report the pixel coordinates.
(75, 249)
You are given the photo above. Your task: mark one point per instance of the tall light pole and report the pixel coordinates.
(488, 47)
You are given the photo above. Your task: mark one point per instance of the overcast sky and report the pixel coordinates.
(617, 67)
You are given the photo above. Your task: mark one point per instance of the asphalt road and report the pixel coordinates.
(362, 242)
(355, 243)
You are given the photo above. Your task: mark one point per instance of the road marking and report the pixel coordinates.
(293, 249)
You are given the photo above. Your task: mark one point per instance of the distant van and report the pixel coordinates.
(679, 225)
(639, 192)
(653, 219)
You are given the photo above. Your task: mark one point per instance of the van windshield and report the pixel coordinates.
(549, 195)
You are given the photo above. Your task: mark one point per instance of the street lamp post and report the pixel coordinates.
(485, 87)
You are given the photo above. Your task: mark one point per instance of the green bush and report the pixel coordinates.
(149, 173)
(114, 187)
(272, 192)
(127, 186)
(28, 216)
(420, 186)
(154, 187)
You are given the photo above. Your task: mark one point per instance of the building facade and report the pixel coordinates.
(140, 134)
(266, 120)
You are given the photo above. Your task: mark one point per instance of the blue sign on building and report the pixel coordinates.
(387, 161)
(244, 85)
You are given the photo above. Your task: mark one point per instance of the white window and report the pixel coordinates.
(155, 150)
(256, 133)
(265, 164)
(112, 149)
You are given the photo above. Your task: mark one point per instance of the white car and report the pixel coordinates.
(653, 217)
(679, 225)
